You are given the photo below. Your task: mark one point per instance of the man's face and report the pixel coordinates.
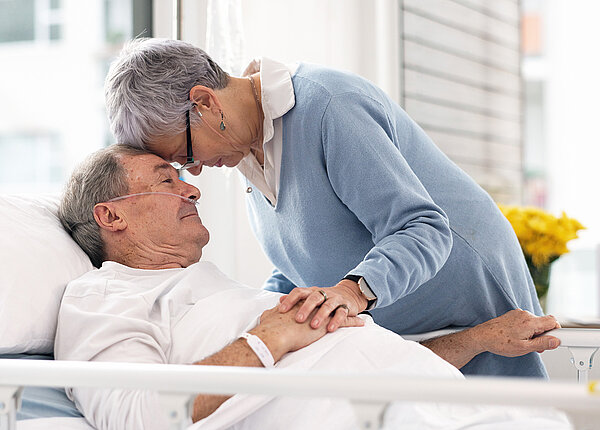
(165, 227)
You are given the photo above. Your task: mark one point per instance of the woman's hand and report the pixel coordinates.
(342, 301)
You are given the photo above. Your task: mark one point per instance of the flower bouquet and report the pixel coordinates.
(543, 238)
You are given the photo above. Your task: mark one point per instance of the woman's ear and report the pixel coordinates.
(108, 218)
(204, 97)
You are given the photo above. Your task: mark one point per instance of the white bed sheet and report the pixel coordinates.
(495, 418)
(54, 424)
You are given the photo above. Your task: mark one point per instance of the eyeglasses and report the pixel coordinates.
(189, 161)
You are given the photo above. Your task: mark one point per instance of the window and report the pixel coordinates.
(17, 20)
(55, 56)
(30, 20)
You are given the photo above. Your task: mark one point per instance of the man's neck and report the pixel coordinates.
(145, 264)
(148, 261)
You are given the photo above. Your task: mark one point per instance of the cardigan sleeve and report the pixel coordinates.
(278, 283)
(370, 175)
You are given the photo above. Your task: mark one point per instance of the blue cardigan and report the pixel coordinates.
(364, 191)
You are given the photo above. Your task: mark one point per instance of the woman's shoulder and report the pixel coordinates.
(330, 81)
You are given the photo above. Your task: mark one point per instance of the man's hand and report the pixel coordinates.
(281, 332)
(343, 300)
(516, 333)
(511, 335)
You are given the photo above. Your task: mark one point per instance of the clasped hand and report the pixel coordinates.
(282, 333)
(332, 308)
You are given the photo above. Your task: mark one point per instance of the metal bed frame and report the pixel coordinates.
(370, 394)
(582, 343)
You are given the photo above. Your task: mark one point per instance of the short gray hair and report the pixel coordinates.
(147, 88)
(99, 178)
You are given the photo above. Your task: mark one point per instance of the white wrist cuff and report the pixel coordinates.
(260, 349)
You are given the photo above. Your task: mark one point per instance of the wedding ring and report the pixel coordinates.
(324, 295)
(343, 306)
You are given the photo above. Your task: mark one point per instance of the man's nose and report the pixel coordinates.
(191, 192)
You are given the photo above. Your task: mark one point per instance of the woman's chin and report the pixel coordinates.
(231, 162)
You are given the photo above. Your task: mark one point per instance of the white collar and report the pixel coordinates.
(277, 91)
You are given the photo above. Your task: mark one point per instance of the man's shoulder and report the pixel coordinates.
(90, 282)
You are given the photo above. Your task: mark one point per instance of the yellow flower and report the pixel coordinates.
(542, 236)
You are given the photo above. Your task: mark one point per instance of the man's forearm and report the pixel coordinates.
(236, 354)
(513, 334)
(456, 348)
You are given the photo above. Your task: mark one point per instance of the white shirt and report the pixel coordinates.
(277, 95)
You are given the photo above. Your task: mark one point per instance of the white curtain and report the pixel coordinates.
(225, 34)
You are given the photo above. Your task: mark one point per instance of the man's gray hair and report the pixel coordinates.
(148, 86)
(99, 178)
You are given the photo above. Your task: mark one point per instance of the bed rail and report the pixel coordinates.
(582, 343)
(370, 392)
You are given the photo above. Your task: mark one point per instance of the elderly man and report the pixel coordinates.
(153, 301)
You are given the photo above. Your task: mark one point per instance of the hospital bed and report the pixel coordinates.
(369, 394)
(39, 259)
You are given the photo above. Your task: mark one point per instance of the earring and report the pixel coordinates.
(222, 126)
(194, 105)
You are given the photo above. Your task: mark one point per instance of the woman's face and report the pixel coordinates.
(211, 146)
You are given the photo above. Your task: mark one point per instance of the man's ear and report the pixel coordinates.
(204, 97)
(108, 218)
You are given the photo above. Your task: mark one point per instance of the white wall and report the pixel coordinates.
(573, 147)
(356, 35)
(573, 92)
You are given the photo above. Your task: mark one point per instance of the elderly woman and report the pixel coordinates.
(346, 194)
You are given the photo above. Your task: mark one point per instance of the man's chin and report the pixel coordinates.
(203, 241)
(195, 258)
(205, 238)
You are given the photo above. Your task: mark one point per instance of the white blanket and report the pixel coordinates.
(54, 424)
(184, 315)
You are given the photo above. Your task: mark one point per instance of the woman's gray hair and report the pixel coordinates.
(147, 88)
(99, 178)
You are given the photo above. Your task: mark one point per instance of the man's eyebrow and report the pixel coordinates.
(162, 166)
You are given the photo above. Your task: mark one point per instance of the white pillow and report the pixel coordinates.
(38, 259)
